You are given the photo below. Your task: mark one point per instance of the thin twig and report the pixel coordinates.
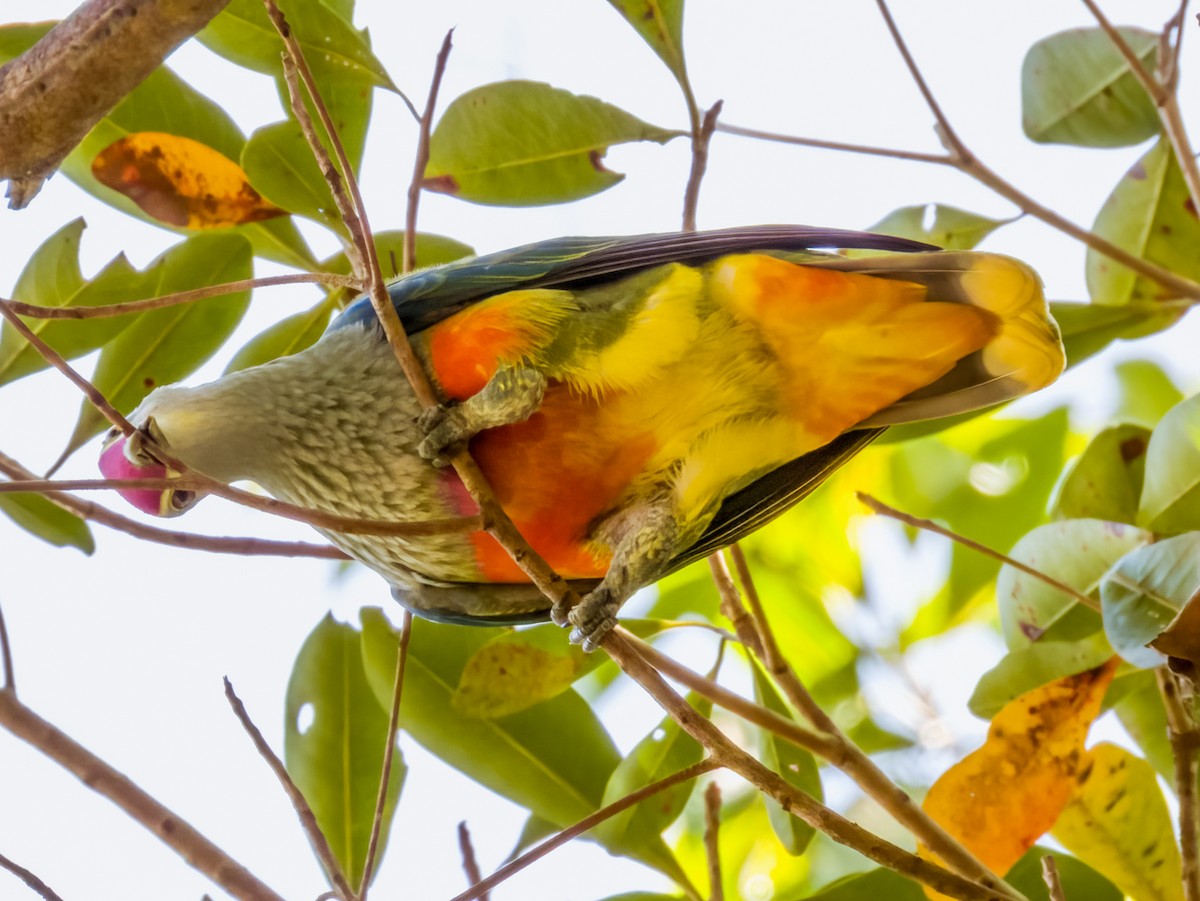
(496, 521)
(731, 605)
(173, 831)
(308, 821)
(712, 844)
(1161, 95)
(37, 311)
(514, 866)
(627, 652)
(196, 481)
(702, 132)
(1169, 63)
(409, 259)
(889, 152)
(244, 547)
(1050, 877)
(470, 865)
(1185, 742)
(929, 525)
(10, 676)
(389, 753)
(32, 881)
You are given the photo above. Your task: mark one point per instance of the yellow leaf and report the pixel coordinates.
(181, 182)
(513, 672)
(1001, 798)
(1117, 822)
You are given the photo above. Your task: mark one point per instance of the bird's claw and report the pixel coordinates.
(593, 618)
(445, 433)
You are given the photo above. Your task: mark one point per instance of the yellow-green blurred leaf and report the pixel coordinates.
(660, 23)
(287, 336)
(1105, 482)
(47, 521)
(1170, 501)
(1117, 821)
(1024, 669)
(936, 223)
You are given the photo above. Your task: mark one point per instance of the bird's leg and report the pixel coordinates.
(511, 395)
(647, 537)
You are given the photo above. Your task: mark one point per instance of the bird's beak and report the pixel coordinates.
(115, 464)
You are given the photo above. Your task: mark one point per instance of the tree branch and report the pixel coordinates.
(712, 844)
(31, 880)
(177, 834)
(1185, 742)
(421, 160)
(470, 864)
(53, 94)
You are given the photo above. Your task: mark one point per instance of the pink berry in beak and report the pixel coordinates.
(115, 465)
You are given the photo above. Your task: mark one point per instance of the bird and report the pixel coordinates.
(636, 403)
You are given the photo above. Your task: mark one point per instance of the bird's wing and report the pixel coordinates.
(428, 296)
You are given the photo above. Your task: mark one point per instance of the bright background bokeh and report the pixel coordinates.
(125, 650)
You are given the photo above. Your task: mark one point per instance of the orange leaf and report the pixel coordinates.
(999, 799)
(181, 182)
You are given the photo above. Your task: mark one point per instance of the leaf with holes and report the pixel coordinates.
(1077, 88)
(525, 143)
(1151, 215)
(1076, 552)
(1147, 593)
(1117, 821)
(335, 733)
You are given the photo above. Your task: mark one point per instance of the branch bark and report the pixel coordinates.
(52, 95)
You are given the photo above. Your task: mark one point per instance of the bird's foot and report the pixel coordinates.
(446, 432)
(593, 618)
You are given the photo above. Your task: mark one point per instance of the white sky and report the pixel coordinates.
(125, 650)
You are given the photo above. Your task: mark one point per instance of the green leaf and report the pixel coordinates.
(335, 733)
(1078, 879)
(664, 751)
(1170, 499)
(281, 167)
(794, 764)
(18, 37)
(1105, 482)
(516, 670)
(287, 336)
(1077, 552)
(340, 57)
(873, 885)
(1027, 668)
(1076, 88)
(430, 250)
(47, 521)
(525, 143)
(1146, 393)
(1149, 214)
(936, 223)
(164, 346)
(660, 23)
(1089, 328)
(1118, 823)
(1140, 710)
(1145, 592)
(52, 278)
(523, 757)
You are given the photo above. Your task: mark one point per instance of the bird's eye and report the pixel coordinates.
(181, 500)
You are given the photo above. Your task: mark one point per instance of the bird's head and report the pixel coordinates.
(131, 457)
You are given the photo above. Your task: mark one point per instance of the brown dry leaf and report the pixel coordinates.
(181, 182)
(1000, 798)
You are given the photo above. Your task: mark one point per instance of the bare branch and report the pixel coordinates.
(44, 891)
(731, 603)
(591, 820)
(1050, 877)
(35, 311)
(929, 525)
(220, 545)
(308, 821)
(389, 753)
(422, 156)
(52, 95)
(712, 844)
(470, 865)
(702, 132)
(889, 152)
(176, 833)
(1185, 743)
(10, 676)
(628, 651)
